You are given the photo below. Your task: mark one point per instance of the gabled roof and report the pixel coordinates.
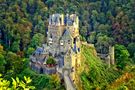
(66, 34)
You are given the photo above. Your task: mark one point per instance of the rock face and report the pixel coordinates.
(63, 44)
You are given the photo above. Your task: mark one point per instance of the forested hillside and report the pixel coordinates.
(104, 23)
(97, 76)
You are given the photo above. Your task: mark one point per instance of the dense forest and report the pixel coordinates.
(104, 23)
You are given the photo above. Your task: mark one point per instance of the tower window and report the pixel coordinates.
(51, 20)
(60, 21)
(68, 41)
(78, 49)
(50, 35)
(74, 40)
(65, 21)
(61, 43)
(50, 40)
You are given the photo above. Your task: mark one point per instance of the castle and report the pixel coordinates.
(63, 44)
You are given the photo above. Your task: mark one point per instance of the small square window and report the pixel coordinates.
(78, 49)
(68, 41)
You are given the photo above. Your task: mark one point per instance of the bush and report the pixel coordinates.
(50, 60)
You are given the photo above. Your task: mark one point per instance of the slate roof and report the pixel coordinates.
(55, 18)
(39, 50)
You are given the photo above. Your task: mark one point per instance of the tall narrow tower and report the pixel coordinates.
(111, 53)
(55, 30)
(64, 42)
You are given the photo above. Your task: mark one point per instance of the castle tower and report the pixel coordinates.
(108, 61)
(111, 53)
(75, 55)
(63, 44)
(63, 40)
(55, 30)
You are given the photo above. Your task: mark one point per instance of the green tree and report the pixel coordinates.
(50, 60)
(2, 63)
(16, 84)
(14, 63)
(55, 82)
(37, 40)
(103, 28)
(50, 3)
(15, 46)
(30, 51)
(131, 49)
(103, 42)
(92, 37)
(122, 56)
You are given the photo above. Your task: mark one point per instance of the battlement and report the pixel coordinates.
(72, 20)
(56, 19)
(68, 20)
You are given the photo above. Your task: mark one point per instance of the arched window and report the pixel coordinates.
(60, 21)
